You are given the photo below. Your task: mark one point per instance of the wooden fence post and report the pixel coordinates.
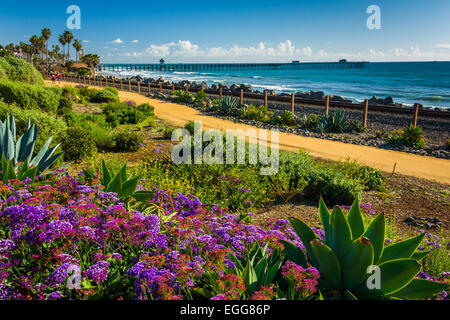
(366, 110)
(173, 87)
(416, 114)
(242, 96)
(220, 92)
(121, 84)
(327, 105)
(114, 82)
(187, 88)
(149, 87)
(129, 85)
(266, 99)
(160, 87)
(106, 82)
(139, 87)
(292, 103)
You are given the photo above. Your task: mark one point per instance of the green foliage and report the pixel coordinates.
(201, 96)
(21, 149)
(49, 125)
(312, 121)
(87, 92)
(336, 121)
(30, 96)
(105, 95)
(16, 69)
(257, 269)
(78, 144)
(121, 183)
(349, 250)
(183, 96)
(447, 143)
(410, 136)
(65, 106)
(123, 113)
(127, 141)
(9, 171)
(228, 105)
(255, 113)
(372, 179)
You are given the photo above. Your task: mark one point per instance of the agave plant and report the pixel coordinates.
(350, 252)
(121, 183)
(258, 270)
(8, 171)
(334, 122)
(228, 105)
(21, 149)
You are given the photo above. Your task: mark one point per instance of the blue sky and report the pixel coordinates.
(240, 31)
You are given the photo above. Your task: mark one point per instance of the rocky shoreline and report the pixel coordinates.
(247, 88)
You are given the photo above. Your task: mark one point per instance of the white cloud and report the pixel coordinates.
(186, 51)
(135, 41)
(443, 45)
(87, 41)
(117, 41)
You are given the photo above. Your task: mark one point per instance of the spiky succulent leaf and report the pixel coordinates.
(375, 233)
(402, 249)
(420, 289)
(324, 214)
(129, 186)
(115, 185)
(420, 255)
(41, 153)
(355, 264)
(306, 235)
(143, 195)
(394, 275)
(340, 234)
(107, 176)
(355, 220)
(328, 263)
(294, 253)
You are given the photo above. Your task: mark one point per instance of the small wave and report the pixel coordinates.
(435, 98)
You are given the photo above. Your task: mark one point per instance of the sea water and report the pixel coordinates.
(427, 83)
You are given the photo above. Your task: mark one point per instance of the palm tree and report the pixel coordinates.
(34, 40)
(68, 35)
(91, 60)
(78, 46)
(46, 34)
(62, 40)
(41, 44)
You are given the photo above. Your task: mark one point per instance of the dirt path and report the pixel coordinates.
(408, 164)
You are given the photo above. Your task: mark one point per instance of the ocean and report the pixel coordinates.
(427, 83)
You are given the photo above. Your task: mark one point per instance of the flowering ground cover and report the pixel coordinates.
(65, 238)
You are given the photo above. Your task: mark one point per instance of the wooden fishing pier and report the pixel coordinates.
(295, 65)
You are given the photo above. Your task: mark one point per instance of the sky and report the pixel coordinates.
(240, 31)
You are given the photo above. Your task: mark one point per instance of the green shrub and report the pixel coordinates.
(228, 105)
(146, 109)
(336, 121)
(183, 96)
(30, 96)
(16, 69)
(312, 121)
(201, 96)
(78, 144)
(122, 113)
(410, 136)
(127, 141)
(87, 92)
(167, 133)
(105, 95)
(65, 106)
(255, 113)
(112, 90)
(48, 125)
(98, 127)
(372, 179)
(447, 143)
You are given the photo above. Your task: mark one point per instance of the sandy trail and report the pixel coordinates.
(408, 164)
